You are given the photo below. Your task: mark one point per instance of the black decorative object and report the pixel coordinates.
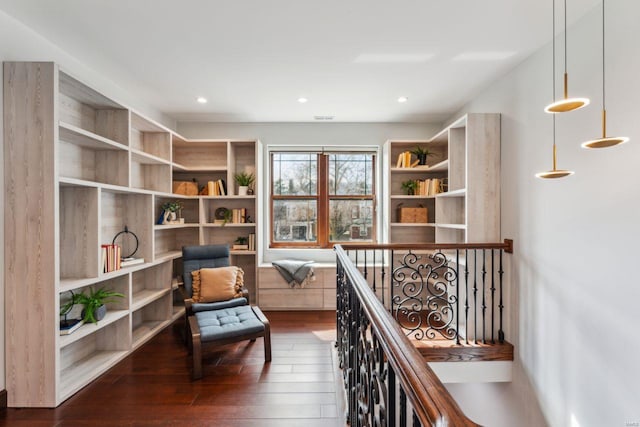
(127, 232)
(221, 213)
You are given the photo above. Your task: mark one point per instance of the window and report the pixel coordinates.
(319, 199)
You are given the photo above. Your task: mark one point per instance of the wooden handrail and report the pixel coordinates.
(507, 246)
(431, 402)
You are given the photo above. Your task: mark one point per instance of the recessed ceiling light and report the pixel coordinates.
(302, 100)
(201, 100)
(483, 56)
(403, 99)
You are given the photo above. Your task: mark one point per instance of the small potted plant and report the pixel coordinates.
(244, 181)
(240, 244)
(422, 154)
(172, 208)
(410, 187)
(94, 304)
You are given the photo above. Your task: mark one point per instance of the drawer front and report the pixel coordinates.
(329, 299)
(291, 299)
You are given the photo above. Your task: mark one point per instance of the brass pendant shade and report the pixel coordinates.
(565, 104)
(555, 172)
(605, 141)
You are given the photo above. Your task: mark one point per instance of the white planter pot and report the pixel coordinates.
(242, 190)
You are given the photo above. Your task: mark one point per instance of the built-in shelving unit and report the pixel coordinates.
(466, 157)
(94, 167)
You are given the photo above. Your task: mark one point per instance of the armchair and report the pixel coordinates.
(220, 322)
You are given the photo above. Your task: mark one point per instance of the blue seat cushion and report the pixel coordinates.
(210, 306)
(228, 323)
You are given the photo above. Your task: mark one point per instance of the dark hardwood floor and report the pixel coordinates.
(153, 387)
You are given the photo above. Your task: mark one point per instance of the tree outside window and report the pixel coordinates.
(321, 199)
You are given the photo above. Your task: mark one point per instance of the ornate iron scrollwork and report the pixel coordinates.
(422, 301)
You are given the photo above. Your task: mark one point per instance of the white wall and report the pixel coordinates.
(306, 134)
(576, 285)
(20, 43)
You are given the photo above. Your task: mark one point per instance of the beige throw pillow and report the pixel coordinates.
(217, 284)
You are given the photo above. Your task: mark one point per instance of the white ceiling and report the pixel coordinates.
(253, 59)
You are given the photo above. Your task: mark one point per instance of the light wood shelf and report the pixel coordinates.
(147, 159)
(198, 169)
(172, 226)
(146, 330)
(454, 226)
(412, 224)
(242, 253)
(84, 138)
(442, 166)
(231, 224)
(462, 192)
(90, 328)
(409, 197)
(102, 166)
(86, 370)
(146, 296)
(466, 155)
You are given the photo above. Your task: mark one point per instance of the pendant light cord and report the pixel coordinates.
(565, 34)
(603, 47)
(553, 71)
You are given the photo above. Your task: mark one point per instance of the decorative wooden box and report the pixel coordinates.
(185, 188)
(412, 215)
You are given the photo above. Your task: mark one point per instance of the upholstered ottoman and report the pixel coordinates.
(225, 326)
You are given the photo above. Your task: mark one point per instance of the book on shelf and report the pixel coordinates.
(128, 262)
(240, 247)
(404, 160)
(110, 258)
(430, 187)
(69, 326)
(252, 241)
(239, 215)
(222, 187)
(216, 188)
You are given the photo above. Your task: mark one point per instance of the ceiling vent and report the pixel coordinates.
(325, 118)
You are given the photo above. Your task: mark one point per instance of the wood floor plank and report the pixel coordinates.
(153, 386)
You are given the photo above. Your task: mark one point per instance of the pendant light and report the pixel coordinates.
(566, 104)
(555, 172)
(605, 141)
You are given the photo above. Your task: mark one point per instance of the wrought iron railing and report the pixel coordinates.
(438, 291)
(387, 382)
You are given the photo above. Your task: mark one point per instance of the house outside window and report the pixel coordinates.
(320, 199)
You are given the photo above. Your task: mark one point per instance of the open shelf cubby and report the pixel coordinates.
(78, 221)
(87, 109)
(131, 210)
(150, 318)
(88, 357)
(150, 138)
(150, 284)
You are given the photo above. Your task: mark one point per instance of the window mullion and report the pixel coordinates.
(323, 200)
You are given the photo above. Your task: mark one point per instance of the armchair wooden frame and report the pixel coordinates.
(213, 256)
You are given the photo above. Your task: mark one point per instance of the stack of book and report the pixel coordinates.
(110, 258)
(69, 326)
(252, 241)
(239, 216)
(128, 262)
(216, 188)
(404, 160)
(429, 187)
